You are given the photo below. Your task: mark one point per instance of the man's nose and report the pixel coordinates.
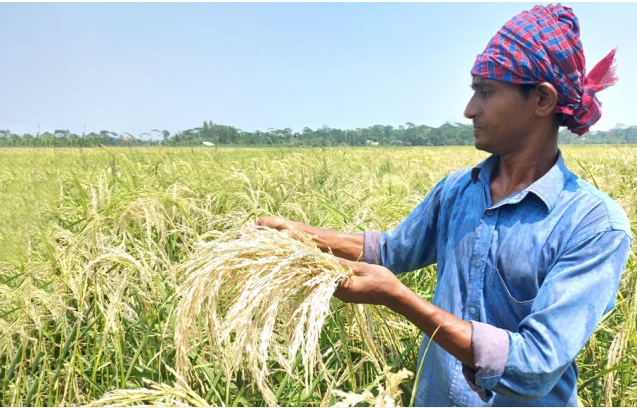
(471, 111)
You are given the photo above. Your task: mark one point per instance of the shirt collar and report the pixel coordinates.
(547, 188)
(483, 170)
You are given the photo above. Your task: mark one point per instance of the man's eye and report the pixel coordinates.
(484, 94)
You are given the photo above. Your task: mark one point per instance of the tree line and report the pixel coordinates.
(449, 134)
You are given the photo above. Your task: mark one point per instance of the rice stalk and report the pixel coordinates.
(260, 297)
(387, 395)
(156, 395)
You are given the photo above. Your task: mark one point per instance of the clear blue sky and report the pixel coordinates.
(136, 67)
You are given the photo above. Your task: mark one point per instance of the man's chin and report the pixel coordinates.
(480, 145)
(485, 147)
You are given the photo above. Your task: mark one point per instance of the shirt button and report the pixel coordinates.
(489, 212)
(478, 263)
(472, 310)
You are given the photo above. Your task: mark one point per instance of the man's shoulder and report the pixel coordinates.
(601, 210)
(458, 177)
(455, 183)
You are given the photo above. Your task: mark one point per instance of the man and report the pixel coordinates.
(529, 255)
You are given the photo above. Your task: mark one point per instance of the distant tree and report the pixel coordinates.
(408, 135)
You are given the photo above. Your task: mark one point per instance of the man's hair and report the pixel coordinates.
(526, 89)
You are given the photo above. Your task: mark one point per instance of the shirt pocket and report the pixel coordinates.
(521, 308)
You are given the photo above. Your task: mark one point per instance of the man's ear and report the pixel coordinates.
(546, 99)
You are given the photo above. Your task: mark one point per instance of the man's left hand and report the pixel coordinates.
(371, 284)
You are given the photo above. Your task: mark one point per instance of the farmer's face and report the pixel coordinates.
(502, 117)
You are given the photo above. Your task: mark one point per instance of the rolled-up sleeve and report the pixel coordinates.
(413, 243)
(371, 251)
(578, 290)
(490, 347)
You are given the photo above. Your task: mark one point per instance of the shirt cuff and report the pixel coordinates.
(490, 347)
(371, 247)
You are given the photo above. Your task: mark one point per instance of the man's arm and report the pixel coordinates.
(343, 245)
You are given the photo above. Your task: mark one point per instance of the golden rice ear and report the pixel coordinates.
(387, 395)
(252, 294)
(156, 395)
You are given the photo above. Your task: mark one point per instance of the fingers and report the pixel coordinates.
(244, 232)
(344, 288)
(339, 293)
(270, 221)
(275, 221)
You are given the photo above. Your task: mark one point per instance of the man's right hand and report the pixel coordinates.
(280, 224)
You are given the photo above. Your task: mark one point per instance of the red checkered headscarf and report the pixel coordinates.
(543, 45)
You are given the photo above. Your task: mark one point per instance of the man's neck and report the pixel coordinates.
(517, 171)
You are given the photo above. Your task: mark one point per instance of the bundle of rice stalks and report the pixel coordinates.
(387, 396)
(261, 298)
(158, 395)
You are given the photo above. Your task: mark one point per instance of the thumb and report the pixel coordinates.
(355, 266)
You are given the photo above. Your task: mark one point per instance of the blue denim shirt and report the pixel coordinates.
(534, 274)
